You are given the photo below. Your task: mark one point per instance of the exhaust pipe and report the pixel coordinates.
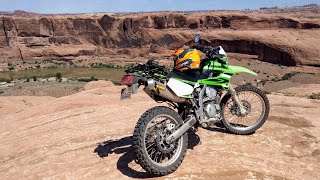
(153, 87)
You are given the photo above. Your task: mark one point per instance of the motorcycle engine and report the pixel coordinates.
(211, 107)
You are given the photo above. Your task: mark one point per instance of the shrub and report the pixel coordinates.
(93, 78)
(6, 80)
(129, 66)
(289, 94)
(315, 96)
(34, 78)
(83, 79)
(59, 76)
(288, 75)
(1, 92)
(267, 92)
(52, 67)
(101, 65)
(28, 80)
(88, 79)
(262, 82)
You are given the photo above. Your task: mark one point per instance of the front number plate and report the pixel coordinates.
(126, 93)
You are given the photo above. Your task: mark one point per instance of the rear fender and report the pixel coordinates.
(133, 82)
(127, 92)
(136, 79)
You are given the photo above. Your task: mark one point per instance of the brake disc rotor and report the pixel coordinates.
(162, 144)
(236, 111)
(247, 106)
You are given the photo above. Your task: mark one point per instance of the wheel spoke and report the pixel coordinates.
(157, 149)
(254, 105)
(231, 119)
(152, 145)
(153, 151)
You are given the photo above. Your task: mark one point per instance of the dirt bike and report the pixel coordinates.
(160, 138)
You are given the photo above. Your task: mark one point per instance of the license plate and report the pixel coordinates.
(126, 93)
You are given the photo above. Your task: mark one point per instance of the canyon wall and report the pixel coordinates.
(23, 39)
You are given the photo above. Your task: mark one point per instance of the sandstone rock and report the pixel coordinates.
(193, 23)
(180, 21)
(3, 41)
(54, 37)
(2, 30)
(98, 84)
(3, 35)
(42, 80)
(63, 27)
(88, 30)
(52, 79)
(96, 127)
(34, 41)
(8, 55)
(154, 48)
(106, 23)
(160, 22)
(64, 79)
(28, 27)
(303, 90)
(10, 84)
(211, 22)
(64, 40)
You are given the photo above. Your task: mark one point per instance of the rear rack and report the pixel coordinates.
(151, 70)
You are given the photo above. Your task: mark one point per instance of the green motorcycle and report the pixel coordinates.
(160, 138)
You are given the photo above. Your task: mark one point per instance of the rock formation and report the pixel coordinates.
(89, 135)
(279, 39)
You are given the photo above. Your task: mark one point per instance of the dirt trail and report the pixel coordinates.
(88, 135)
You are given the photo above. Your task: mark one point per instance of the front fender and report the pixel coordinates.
(239, 69)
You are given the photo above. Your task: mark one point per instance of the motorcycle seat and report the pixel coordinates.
(191, 75)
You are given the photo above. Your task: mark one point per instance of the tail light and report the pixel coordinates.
(127, 80)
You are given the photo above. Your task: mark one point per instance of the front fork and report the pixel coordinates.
(237, 100)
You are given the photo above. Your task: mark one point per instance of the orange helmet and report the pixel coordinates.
(185, 59)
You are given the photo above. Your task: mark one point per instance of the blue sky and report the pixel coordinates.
(86, 6)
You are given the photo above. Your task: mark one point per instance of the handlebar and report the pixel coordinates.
(211, 52)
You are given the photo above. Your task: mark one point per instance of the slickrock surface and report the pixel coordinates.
(88, 135)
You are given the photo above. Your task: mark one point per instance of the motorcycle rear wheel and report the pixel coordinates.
(152, 152)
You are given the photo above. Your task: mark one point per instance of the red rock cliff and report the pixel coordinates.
(66, 37)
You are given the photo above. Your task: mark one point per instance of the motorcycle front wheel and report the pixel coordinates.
(257, 109)
(153, 153)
